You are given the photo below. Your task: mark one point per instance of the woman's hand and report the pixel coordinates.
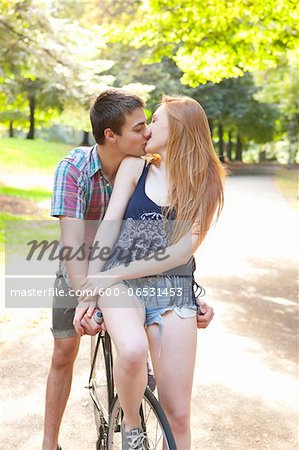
(207, 314)
(94, 285)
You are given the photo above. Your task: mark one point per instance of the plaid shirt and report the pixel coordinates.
(80, 189)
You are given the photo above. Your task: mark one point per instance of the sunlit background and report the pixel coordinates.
(239, 59)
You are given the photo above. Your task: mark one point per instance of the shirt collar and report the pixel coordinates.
(95, 163)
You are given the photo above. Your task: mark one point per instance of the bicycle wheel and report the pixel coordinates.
(154, 422)
(101, 385)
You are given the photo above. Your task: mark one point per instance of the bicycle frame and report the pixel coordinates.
(104, 340)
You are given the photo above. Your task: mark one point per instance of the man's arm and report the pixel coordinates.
(69, 204)
(73, 236)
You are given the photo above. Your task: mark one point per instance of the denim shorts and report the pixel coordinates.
(155, 306)
(63, 309)
(154, 315)
(163, 291)
(165, 297)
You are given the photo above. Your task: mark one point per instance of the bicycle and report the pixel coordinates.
(107, 409)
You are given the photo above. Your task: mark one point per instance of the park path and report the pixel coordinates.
(245, 380)
(245, 393)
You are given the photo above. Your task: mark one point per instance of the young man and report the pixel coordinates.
(83, 185)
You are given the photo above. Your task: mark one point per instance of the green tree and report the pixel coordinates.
(211, 40)
(32, 60)
(156, 78)
(280, 87)
(234, 112)
(12, 106)
(46, 58)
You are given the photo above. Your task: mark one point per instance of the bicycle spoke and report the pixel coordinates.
(154, 423)
(149, 420)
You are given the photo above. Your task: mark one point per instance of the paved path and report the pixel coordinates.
(244, 390)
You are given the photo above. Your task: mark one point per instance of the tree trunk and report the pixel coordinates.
(293, 136)
(30, 134)
(220, 142)
(262, 156)
(239, 148)
(211, 125)
(85, 141)
(229, 145)
(11, 130)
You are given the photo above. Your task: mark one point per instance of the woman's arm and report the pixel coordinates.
(108, 231)
(155, 263)
(125, 183)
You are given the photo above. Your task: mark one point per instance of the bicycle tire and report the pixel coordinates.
(152, 416)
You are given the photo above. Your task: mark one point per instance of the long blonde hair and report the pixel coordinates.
(194, 170)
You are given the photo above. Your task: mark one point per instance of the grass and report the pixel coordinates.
(20, 233)
(3, 218)
(31, 155)
(8, 217)
(35, 195)
(22, 158)
(287, 182)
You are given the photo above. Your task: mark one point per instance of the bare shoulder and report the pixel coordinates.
(131, 167)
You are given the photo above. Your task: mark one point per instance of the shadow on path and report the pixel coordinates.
(264, 308)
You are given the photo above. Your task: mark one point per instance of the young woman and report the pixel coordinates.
(170, 206)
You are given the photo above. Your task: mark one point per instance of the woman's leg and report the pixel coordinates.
(173, 357)
(125, 324)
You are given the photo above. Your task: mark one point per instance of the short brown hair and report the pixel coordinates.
(109, 110)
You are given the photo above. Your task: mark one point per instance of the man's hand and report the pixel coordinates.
(84, 308)
(207, 315)
(91, 327)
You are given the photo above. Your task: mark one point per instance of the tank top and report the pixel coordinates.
(144, 231)
(140, 206)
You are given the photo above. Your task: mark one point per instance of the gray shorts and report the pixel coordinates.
(62, 317)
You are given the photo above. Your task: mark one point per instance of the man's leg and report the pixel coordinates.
(58, 387)
(66, 346)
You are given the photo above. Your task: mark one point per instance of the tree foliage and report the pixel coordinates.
(55, 56)
(280, 87)
(50, 60)
(212, 40)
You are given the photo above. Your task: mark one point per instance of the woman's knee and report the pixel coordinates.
(65, 352)
(132, 356)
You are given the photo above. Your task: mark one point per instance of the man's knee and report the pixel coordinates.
(65, 352)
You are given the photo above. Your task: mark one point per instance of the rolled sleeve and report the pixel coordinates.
(68, 198)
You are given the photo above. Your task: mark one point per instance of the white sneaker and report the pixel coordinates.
(135, 439)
